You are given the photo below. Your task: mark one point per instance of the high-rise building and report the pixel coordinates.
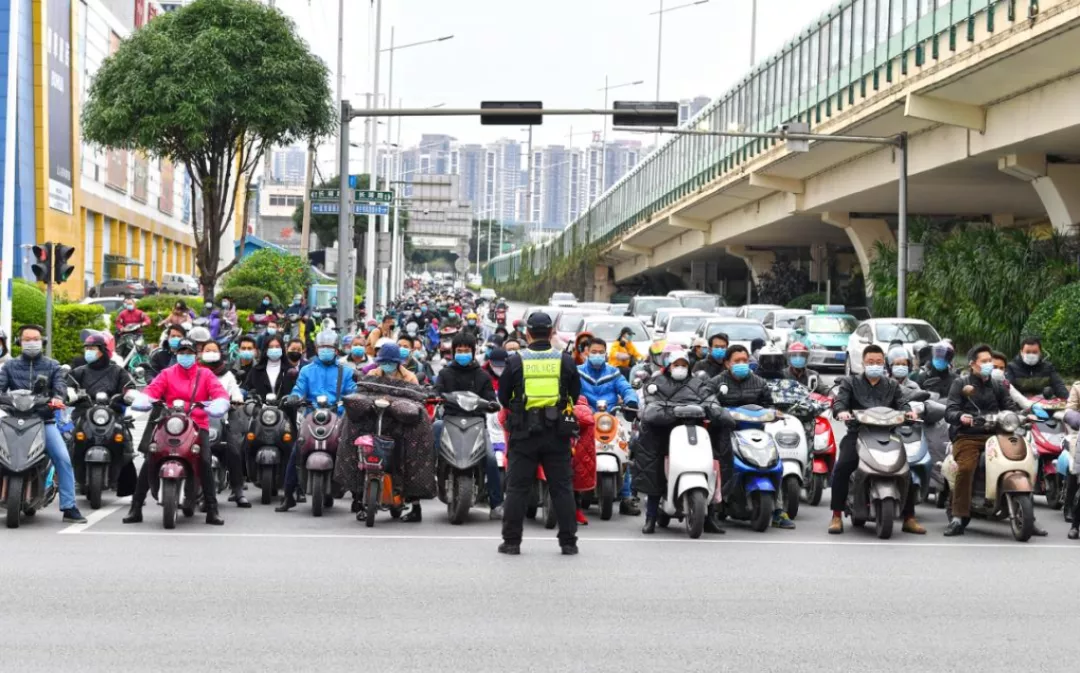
(288, 165)
(605, 165)
(688, 107)
(558, 194)
(470, 167)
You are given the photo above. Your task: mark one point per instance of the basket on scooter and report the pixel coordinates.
(377, 451)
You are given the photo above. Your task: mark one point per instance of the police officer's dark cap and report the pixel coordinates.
(541, 321)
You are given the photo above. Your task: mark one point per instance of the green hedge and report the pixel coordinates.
(1054, 321)
(249, 298)
(805, 301)
(165, 302)
(282, 274)
(27, 303)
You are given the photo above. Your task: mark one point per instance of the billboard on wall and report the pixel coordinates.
(116, 168)
(165, 199)
(58, 43)
(139, 184)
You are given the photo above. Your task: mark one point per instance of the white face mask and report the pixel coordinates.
(211, 358)
(998, 375)
(680, 373)
(1030, 359)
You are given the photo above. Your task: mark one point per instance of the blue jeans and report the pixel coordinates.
(61, 460)
(491, 468)
(626, 492)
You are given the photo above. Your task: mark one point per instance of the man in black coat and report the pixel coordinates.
(1031, 373)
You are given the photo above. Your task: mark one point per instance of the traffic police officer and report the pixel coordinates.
(539, 386)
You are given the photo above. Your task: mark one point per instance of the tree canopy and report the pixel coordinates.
(211, 87)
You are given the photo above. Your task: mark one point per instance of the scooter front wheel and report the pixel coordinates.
(695, 507)
(318, 483)
(792, 491)
(461, 496)
(814, 490)
(95, 484)
(607, 496)
(170, 502)
(371, 501)
(1022, 518)
(266, 481)
(883, 519)
(1054, 492)
(762, 505)
(14, 500)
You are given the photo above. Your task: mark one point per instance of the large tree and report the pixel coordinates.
(211, 87)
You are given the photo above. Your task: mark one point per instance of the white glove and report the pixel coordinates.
(141, 402)
(218, 408)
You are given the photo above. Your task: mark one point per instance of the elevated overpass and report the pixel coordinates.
(988, 91)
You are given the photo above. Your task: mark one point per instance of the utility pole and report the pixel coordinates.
(345, 274)
(373, 229)
(309, 183)
(528, 188)
(340, 83)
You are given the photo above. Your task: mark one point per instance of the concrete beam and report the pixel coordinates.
(864, 234)
(758, 261)
(945, 112)
(689, 223)
(1025, 167)
(635, 250)
(1058, 186)
(777, 183)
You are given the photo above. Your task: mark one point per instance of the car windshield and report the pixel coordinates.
(838, 324)
(758, 313)
(906, 332)
(608, 330)
(562, 296)
(739, 331)
(685, 323)
(569, 322)
(700, 302)
(649, 306)
(785, 321)
(617, 309)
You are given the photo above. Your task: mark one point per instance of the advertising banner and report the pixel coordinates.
(58, 43)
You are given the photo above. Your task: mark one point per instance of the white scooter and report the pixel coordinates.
(789, 433)
(691, 472)
(1005, 476)
(612, 440)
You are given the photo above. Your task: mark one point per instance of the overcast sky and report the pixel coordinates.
(557, 51)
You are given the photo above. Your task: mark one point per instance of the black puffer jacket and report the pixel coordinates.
(104, 376)
(712, 368)
(19, 374)
(1032, 379)
(731, 392)
(657, 419)
(987, 397)
(470, 378)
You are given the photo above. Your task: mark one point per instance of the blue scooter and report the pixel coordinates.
(758, 470)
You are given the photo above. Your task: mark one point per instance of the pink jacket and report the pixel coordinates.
(176, 383)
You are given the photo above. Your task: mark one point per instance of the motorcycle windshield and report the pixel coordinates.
(463, 441)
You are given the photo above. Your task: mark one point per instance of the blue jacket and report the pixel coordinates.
(606, 383)
(19, 374)
(317, 379)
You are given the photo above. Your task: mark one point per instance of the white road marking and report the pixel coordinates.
(586, 541)
(95, 516)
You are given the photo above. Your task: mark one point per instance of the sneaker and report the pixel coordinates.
(912, 526)
(569, 550)
(1074, 533)
(509, 549)
(581, 520)
(414, 515)
(836, 526)
(629, 507)
(955, 528)
(496, 513)
(782, 521)
(73, 515)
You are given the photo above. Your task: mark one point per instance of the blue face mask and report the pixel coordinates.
(463, 359)
(939, 364)
(986, 370)
(174, 342)
(357, 351)
(875, 371)
(91, 356)
(741, 370)
(798, 362)
(597, 360)
(266, 302)
(389, 367)
(273, 353)
(327, 354)
(416, 313)
(271, 331)
(187, 360)
(247, 356)
(472, 322)
(718, 353)
(900, 371)
(405, 353)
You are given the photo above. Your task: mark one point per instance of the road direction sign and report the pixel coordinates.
(333, 208)
(363, 195)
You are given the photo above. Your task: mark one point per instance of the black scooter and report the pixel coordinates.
(102, 445)
(462, 452)
(27, 480)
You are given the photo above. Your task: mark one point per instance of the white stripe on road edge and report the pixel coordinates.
(95, 516)
(584, 540)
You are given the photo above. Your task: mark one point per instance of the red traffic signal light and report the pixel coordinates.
(42, 266)
(62, 268)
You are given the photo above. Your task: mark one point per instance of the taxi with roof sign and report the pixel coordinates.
(825, 331)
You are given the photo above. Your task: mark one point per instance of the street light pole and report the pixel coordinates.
(373, 234)
(659, 45)
(603, 142)
(340, 76)
(753, 32)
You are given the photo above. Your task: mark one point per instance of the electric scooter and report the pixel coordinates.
(320, 435)
(789, 433)
(463, 450)
(756, 479)
(27, 482)
(880, 484)
(102, 444)
(612, 439)
(175, 466)
(1047, 438)
(267, 442)
(691, 472)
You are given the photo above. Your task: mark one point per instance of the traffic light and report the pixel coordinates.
(62, 268)
(42, 265)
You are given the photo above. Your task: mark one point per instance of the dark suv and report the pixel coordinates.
(118, 287)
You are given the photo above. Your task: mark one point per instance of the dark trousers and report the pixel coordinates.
(721, 441)
(234, 463)
(1071, 501)
(292, 475)
(846, 464)
(525, 455)
(209, 488)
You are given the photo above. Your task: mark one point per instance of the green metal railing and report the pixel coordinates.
(856, 48)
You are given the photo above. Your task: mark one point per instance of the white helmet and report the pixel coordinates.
(199, 335)
(326, 338)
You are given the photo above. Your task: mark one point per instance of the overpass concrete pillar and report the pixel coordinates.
(819, 268)
(864, 235)
(601, 287)
(1058, 186)
(758, 261)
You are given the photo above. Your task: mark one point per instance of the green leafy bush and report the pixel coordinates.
(282, 274)
(249, 298)
(1054, 321)
(805, 301)
(165, 302)
(27, 303)
(782, 282)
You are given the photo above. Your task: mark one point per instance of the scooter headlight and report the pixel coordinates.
(605, 424)
(100, 417)
(1009, 422)
(174, 426)
(269, 417)
(322, 417)
(787, 440)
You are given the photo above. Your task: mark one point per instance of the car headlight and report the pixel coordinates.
(174, 426)
(815, 345)
(269, 417)
(788, 440)
(100, 417)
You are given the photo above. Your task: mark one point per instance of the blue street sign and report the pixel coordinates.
(353, 181)
(333, 208)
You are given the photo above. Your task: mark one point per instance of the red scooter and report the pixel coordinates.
(320, 434)
(1048, 438)
(175, 467)
(822, 455)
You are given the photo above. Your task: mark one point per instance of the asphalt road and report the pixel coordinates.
(291, 592)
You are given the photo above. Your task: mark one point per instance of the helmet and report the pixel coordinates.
(346, 340)
(943, 349)
(770, 359)
(471, 316)
(897, 353)
(199, 335)
(327, 338)
(797, 347)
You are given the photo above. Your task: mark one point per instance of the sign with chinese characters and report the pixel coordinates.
(58, 43)
(363, 195)
(333, 208)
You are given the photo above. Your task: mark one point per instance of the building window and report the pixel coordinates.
(285, 200)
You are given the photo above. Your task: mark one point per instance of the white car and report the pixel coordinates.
(741, 331)
(679, 326)
(562, 299)
(679, 294)
(608, 328)
(780, 322)
(487, 294)
(882, 331)
(110, 304)
(179, 283)
(757, 311)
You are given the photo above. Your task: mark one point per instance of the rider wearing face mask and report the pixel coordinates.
(624, 354)
(165, 356)
(1031, 373)
(870, 389)
(899, 362)
(713, 364)
(673, 387)
(937, 376)
(738, 386)
(246, 356)
(130, 316)
(390, 365)
(797, 357)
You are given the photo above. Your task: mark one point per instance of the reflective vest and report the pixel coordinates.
(541, 370)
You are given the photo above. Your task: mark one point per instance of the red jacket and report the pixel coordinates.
(177, 383)
(584, 461)
(132, 317)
